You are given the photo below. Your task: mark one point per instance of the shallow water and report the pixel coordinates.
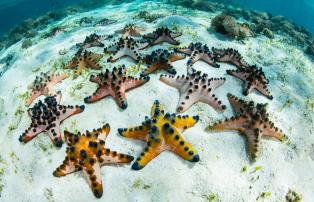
(225, 172)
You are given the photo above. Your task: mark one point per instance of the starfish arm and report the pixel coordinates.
(80, 67)
(73, 63)
(102, 133)
(209, 60)
(138, 132)
(150, 69)
(237, 104)
(31, 132)
(93, 64)
(95, 79)
(134, 54)
(100, 93)
(68, 111)
(248, 88)
(113, 157)
(216, 82)
(70, 138)
(120, 98)
(254, 136)
(157, 109)
(184, 122)
(150, 36)
(152, 150)
(131, 83)
(171, 70)
(187, 100)
(186, 50)
(56, 78)
(235, 123)
(94, 178)
(119, 54)
(67, 167)
(213, 101)
(176, 57)
(262, 88)
(270, 130)
(112, 49)
(176, 143)
(35, 94)
(167, 39)
(239, 74)
(176, 82)
(55, 134)
(175, 34)
(143, 45)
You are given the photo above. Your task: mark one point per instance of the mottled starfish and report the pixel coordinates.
(47, 117)
(161, 59)
(43, 85)
(93, 40)
(114, 84)
(163, 34)
(250, 120)
(161, 133)
(198, 51)
(230, 56)
(254, 78)
(195, 87)
(83, 61)
(126, 47)
(87, 152)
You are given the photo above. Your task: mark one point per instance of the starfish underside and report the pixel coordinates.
(250, 120)
(43, 85)
(47, 117)
(254, 78)
(195, 87)
(126, 47)
(163, 35)
(87, 152)
(230, 56)
(162, 132)
(161, 60)
(114, 84)
(198, 51)
(82, 61)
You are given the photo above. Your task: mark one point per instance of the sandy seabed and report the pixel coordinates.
(224, 172)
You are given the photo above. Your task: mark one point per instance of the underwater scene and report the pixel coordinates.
(174, 100)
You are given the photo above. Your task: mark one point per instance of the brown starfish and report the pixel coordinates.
(88, 153)
(230, 56)
(163, 34)
(195, 87)
(198, 51)
(43, 85)
(93, 40)
(84, 60)
(250, 120)
(47, 117)
(254, 78)
(114, 84)
(161, 59)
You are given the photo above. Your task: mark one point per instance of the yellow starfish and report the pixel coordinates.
(88, 153)
(162, 132)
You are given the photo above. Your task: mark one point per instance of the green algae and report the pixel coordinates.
(212, 197)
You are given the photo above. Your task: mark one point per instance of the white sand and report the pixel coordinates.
(26, 170)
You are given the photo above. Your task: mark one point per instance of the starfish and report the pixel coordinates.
(114, 84)
(250, 120)
(47, 117)
(161, 59)
(198, 51)
(163, 35)
(254, 78)
(43, 85)
(88, 153)
(83, 61)
(126, 47)
(130, 30)
(161, 133)
(230, 56)
(93, 40)
(195, 88)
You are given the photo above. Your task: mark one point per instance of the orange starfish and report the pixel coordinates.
(162, 132)
(88, 153)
